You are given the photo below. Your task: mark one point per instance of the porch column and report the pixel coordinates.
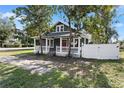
(46, 44)
(60, 44)
(79, 46)
(84, 40)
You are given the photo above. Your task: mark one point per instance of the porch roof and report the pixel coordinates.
(58, 34)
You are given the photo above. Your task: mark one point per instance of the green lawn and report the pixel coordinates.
(97, 74)
(10, 53)
(11, 76)
(114, 71)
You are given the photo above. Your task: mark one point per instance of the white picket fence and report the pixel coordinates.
(100, 51)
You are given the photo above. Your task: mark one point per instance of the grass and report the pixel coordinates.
(114, 71)
(11, 76)
(9, 53)
(97, 74)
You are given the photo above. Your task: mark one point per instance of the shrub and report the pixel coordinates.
(11, 46)
(28, 45)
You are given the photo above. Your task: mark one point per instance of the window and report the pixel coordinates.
(76, 42)
(59, 28)
(48, 42)
(37, 42)
(62, 28)
(43, 42)
(64, 42)
(86, 41)
(82, 40)
(52, 43)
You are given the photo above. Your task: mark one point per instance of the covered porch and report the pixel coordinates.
(60, 46)
(57, 43)
(63, 48)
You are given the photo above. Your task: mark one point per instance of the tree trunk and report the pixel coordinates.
(1, 44)
(41, 44)
(106, 36)
(70, 39)
(27, 41)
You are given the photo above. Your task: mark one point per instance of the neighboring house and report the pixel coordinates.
(57, 42)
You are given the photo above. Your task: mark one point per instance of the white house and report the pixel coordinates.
(56, 42)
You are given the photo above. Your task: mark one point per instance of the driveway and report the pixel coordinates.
(43, 64)
(38, 66)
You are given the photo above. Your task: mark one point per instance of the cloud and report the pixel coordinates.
(7, 14)
(16, 20)
(121, 7)
(119, 25)
(120, 10)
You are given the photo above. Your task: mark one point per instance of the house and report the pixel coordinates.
(57, 42)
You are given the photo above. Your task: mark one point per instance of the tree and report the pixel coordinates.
(74, 16)
(107, 15)
(6, 28)
(100, 24)
(68, 16)
(35, 17)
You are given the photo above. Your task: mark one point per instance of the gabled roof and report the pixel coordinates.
(63, 34)
(61, 23)
(64, 24)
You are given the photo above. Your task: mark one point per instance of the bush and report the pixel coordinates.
(28, 45)
(17, 45)
(11, 46)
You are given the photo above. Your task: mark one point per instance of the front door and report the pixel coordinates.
(56, 42)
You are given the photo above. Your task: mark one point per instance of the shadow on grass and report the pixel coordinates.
(32, 56)
(14, 77)
(71, 66)
(102, 81)
(44, 57)
(22, 78)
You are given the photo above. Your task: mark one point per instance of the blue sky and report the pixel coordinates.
(6, 11)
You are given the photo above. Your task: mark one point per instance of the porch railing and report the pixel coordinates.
(64, 50)
(74, 50)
